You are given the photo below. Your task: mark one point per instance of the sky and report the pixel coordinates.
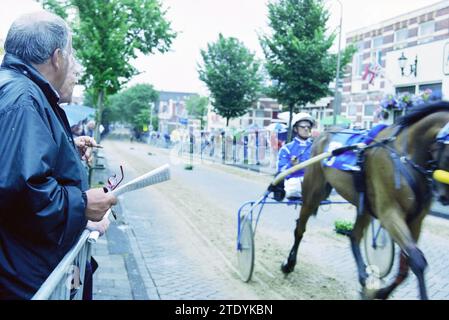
(199, 22)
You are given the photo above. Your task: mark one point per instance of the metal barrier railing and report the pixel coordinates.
(66, 282)
(249, 148)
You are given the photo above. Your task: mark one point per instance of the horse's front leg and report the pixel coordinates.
(361, 223)
(289, 265)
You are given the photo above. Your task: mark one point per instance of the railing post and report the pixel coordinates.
(234, 148)
(223, 147)
(257, 148)
(245, 149)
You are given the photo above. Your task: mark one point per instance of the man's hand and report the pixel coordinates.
(294, 160)
(98, 202)
(100, 226)
(84, 145)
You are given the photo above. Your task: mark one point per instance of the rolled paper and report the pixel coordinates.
(155, 176)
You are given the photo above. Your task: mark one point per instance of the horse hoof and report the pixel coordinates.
(287, 268)
(367, 294)
(382, 294)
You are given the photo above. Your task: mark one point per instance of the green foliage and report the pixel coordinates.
(107, 35)
(58, 7)
(197, 108)
(297, 52)
(343, 226)
(133, 106)
(232, 75)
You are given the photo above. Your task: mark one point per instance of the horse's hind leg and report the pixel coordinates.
(403, 272)
(362, 221)
(406, 238)
(385, 292)
(310, 206)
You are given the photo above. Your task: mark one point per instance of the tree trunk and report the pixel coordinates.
(99, 116)
(227, 122)
(290, 109)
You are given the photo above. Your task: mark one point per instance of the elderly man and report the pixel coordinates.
(44, 198)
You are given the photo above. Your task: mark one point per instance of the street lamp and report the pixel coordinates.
(403, 63)
(337, 78)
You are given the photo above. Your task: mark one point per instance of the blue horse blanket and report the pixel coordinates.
(348, 161)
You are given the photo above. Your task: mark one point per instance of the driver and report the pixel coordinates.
(296, 151)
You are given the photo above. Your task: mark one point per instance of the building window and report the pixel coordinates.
(376, 51)
(367, 124)
(352, 110)
(358, 60)
(259, 113)
(400, 38)
(369, 110)
(409, 89)
(377, 42)
(435, 87)
(425, 31)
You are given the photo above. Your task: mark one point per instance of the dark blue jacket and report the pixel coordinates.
(41, 181)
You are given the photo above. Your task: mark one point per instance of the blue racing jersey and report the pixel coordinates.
(298, 148)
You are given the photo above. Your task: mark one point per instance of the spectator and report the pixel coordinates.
(90, 128)
(167, 140)
(45, 202)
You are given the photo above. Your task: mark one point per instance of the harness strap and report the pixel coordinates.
(359, 181)
(402, 170)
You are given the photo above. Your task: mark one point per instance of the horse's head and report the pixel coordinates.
(440, 156)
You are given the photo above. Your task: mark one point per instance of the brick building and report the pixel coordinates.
(419, 38)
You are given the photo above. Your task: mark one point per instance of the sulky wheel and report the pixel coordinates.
(379, 249)
(245, 251)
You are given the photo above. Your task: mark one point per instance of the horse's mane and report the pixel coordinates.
(422, 111)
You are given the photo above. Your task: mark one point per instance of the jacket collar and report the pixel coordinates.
(13, 62)
(301, 141)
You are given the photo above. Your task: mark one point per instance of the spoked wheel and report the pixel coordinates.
(379, 249)
(245, 251)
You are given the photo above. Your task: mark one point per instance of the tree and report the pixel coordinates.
(197, 108)
(133, 106)
(231, 73)
(297, 53)
(108, 35)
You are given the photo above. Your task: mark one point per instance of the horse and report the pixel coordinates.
(397, 187)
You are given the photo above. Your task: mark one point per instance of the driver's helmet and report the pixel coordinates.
(303, 116)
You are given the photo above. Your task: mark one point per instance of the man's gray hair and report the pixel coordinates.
(34, 37)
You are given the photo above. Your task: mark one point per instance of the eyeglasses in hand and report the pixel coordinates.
(112, 185)
(112, 181)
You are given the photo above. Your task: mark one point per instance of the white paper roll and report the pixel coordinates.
(155, 176)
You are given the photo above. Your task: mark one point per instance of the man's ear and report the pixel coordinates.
(57, 58)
